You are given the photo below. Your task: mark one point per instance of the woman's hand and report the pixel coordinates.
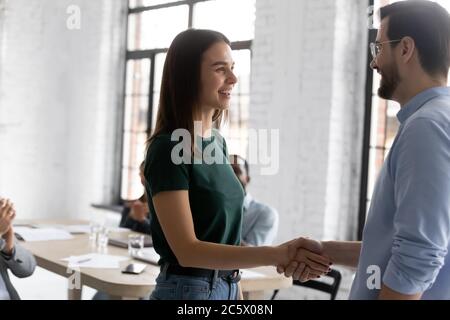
(304, 264)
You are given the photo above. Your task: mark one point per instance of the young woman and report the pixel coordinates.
(196, 204)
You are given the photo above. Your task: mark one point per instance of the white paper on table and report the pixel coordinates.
(119, 229)
(248, 274)
(44, 234)
(77, 228)
(95, 260)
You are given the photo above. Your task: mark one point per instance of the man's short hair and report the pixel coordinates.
(428, 24)
(242, 162)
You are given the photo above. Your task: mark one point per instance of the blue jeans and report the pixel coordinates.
(175, 287)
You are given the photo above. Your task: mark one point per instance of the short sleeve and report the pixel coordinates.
(161, 173)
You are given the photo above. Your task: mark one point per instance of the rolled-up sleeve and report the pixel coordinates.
(421, 172)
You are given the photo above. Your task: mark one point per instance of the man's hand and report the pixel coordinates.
(306, 243)
(139, 211)
(303, 263)
(7, 214)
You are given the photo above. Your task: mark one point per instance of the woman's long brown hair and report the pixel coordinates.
(180, 86)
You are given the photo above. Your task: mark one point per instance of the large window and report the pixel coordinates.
(383, 123)
(152, 25)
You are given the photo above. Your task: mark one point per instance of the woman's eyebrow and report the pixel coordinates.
(221, 63)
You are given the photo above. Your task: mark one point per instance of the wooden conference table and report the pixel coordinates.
(48, 255)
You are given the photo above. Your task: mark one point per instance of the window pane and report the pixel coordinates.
(236, 129)
(234, 18)
(156, 28)
(147, 3)
(136, 109)
(155, 109)
(378, 125)
(160, 58)
(376, 82)
(133, 155)
(376, 160)
(242, 59)
(132, 189)
(392, 123)
(138, 72)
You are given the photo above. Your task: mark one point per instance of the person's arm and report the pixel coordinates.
(20, 261)
(387, 293)
(345, 253)
(173, 206)
(421, 172)
(339, 252)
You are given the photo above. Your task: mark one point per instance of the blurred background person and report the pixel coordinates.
(259, 221)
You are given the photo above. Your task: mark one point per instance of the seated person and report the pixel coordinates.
(135, 214)
(12, 256)
(260, 222)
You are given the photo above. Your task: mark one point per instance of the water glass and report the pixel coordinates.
(103, 237)
(94, 231)
(135, 244)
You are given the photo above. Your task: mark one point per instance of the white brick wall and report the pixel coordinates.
(60, 93)
(309, 62)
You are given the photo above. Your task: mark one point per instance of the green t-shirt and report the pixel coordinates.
(215, 194)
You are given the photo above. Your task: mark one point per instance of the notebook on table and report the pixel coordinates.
(121, 240)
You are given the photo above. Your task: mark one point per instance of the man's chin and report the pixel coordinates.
(384, 94)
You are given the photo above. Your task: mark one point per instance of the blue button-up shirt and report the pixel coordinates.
(407, 232)
(259, 223)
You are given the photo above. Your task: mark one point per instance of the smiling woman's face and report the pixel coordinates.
(217, 77)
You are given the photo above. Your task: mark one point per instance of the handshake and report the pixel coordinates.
(303, 260)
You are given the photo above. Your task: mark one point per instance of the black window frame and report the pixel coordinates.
(364, 182)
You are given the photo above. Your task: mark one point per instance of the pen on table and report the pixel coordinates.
(84, 260)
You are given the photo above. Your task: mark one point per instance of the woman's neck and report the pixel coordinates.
(204, 123)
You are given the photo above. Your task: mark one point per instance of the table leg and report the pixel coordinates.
(74, 294)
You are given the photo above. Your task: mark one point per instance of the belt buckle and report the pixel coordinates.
(234, 277)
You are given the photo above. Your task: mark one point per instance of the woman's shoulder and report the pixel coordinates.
(161, 141)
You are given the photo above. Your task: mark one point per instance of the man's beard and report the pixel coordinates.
(390, 79)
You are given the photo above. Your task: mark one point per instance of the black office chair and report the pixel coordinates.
(331, 288)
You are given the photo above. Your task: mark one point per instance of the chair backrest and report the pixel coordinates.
(331, 288)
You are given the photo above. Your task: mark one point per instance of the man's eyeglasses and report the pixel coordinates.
(375, 47)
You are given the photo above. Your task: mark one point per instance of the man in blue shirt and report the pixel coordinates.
(259, 221)
(403, 254)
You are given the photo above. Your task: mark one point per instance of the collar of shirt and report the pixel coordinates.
(247, 200)
(419, 100)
